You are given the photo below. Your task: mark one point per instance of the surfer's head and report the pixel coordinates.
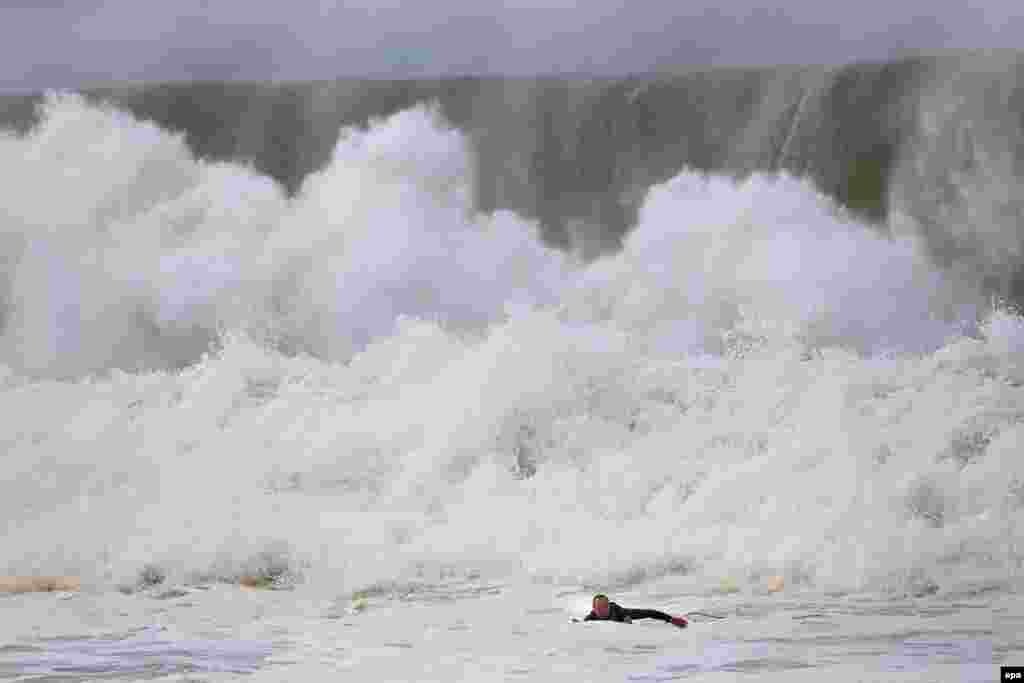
(600, 605)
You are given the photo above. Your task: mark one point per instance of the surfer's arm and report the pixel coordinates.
(619, 613)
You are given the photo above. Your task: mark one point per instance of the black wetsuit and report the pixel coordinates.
(618, 613)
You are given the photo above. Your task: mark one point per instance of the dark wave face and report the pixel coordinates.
(937, 140)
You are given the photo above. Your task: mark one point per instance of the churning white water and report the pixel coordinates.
(372, 388)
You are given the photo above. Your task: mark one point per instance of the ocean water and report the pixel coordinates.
(429, 438)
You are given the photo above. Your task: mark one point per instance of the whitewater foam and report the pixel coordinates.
(379, 385)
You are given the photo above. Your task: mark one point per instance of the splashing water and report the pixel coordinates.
(373, 384)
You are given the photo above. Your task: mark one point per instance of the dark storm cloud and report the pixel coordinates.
(62, 44)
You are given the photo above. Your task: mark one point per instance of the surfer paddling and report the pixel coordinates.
(606, 610)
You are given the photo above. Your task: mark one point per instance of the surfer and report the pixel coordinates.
(606, 610)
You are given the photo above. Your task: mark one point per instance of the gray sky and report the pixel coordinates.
(49, 43)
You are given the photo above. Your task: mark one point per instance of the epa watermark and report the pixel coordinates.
(1011, 673)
